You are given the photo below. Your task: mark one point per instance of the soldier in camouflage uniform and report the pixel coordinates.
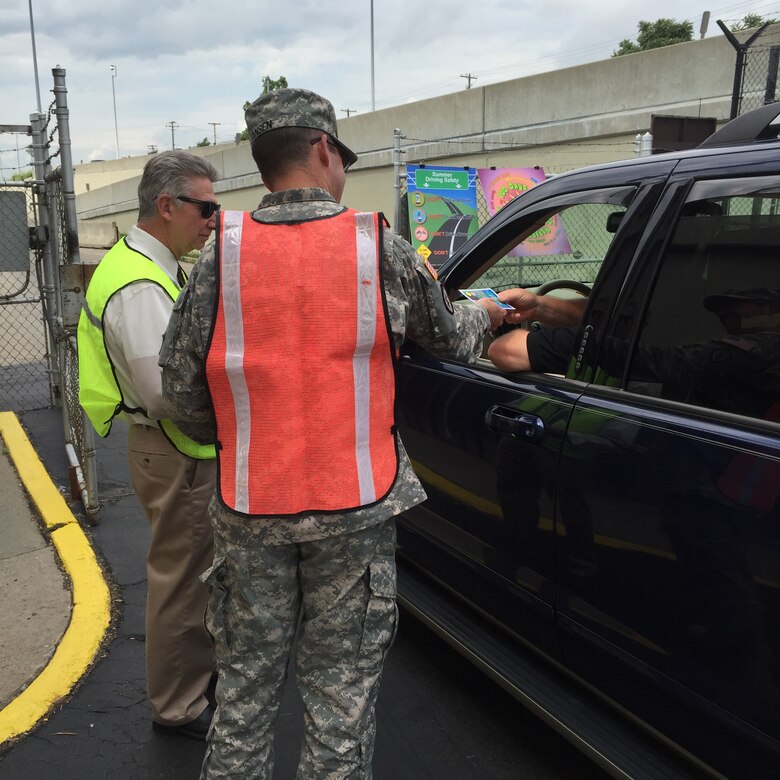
(336, 570)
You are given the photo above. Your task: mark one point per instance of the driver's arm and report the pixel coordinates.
(547, 309)
(546, 350)
(510, 351)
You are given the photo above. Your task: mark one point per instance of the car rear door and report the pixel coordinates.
(668, 562)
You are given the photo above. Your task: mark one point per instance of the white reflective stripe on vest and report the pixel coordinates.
(230, 285)
(361, 361)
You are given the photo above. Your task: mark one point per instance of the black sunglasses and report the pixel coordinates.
(330, 143)
(207, 207)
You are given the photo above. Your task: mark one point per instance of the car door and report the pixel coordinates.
(669, 492)
(485, 445)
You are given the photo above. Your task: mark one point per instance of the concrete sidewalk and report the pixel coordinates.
(35, 608)
(55, 608)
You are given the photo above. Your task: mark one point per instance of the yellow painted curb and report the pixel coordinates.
(91, 599)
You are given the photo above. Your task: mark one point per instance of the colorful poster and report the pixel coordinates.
(500, 185)
(442, 209)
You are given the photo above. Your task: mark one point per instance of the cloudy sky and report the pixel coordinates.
(194, 62)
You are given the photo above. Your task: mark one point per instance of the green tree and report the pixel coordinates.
(654, 35)
(21, 176)
(749, 21)
(268, 85)
(204, 142)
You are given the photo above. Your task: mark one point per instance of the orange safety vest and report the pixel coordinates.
(301, 366)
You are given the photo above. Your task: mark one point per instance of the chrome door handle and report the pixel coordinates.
(510, 422)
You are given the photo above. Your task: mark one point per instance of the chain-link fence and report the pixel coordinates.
(25, 355)
(759, 77)
(38, 315)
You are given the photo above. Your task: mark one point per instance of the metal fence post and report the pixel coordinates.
(79, 436)
(63, 125)
(771, 75)
(47, 232)
(739, 67)
(397, 152)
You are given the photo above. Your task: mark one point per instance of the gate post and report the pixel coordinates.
(48, 231)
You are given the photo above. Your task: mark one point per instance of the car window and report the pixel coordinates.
(570, 243)
(710, 335)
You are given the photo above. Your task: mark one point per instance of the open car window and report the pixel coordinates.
(566, 237)
(569, 244)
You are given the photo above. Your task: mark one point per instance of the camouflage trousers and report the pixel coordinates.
(343, 589)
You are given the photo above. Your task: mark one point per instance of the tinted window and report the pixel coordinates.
(711, 333)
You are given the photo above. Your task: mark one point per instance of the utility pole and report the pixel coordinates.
(469, 77)
(173, 125)
(113, 93)
(214, 125)
(349, 111)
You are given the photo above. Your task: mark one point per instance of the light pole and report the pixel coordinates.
(35, 58)
(113, 93)
(373, 101)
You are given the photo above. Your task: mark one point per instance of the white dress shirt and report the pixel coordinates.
(134, 323)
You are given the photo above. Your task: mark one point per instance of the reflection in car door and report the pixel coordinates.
(486, 449)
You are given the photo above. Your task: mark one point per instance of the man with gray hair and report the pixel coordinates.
(128, 304)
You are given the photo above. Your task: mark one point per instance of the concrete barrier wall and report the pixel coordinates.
(97, 234)
(560, 120)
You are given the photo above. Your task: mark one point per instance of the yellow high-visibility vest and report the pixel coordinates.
(99, 392)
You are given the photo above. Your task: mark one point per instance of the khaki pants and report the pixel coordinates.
(174, 491)
(344, 589)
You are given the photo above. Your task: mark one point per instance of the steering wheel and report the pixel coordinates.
(563, 284)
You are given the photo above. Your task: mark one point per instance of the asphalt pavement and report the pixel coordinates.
(88, 718)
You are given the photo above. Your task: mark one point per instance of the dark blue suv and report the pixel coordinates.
(606, 542)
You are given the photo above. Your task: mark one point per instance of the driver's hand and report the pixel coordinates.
(524, 302)
(547, 309)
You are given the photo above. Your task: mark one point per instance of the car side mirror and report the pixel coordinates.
(614, 220)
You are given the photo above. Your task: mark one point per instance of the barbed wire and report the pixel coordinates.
(504, 146)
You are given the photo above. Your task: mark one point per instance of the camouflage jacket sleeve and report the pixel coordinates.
(183, 353)
(420, 309)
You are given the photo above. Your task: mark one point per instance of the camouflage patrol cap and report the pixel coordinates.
(728, 298)
(295, 108)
